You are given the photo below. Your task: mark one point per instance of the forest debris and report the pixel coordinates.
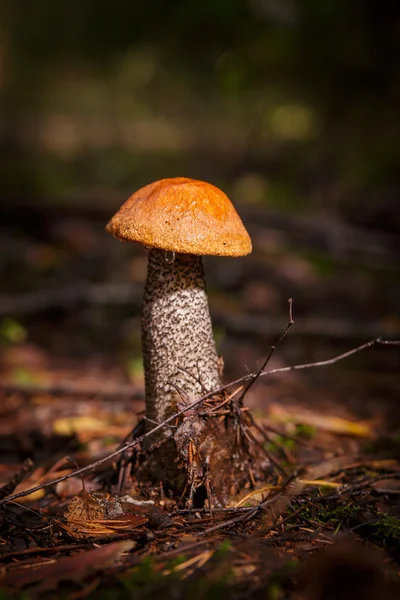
(197, 561)
(87, 427)
(36, 478)
(99, 514)
(320, 483)
(86, 516)
(11, 485)
(85, 507)
(72, 425)
(276, 505)
(258, 494)
(81, 528)
(73, 486)
(70, 568)
(330, 423)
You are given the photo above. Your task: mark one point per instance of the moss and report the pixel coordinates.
(307, 432)
(387, 527)
(340, 517)
(381, 528)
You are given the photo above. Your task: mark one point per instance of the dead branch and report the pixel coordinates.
(269, 356)
(331, 361)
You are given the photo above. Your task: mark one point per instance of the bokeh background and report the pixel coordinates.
(290, 106)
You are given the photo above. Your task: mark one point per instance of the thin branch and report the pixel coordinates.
(325, 363)
(243, 517)
(272, 350)
(248, 377)
(271, 459)
(195, 378)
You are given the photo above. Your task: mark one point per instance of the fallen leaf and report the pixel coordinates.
(326, 422)
(71, 568)
(71, 425)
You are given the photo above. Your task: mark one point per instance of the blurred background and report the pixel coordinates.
(290, 106)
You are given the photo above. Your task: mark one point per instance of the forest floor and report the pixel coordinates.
(327, 516)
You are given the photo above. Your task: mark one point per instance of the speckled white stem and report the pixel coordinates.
(177, 338)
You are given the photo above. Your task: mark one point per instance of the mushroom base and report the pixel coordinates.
(208, 458)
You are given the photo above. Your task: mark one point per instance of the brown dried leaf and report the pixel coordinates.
(70, 568)
(90, 515)
(106, 526)
(331, 423)
(85, 507)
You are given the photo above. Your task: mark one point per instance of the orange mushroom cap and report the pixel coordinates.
(182, 215)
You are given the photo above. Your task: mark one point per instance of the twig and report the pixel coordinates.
(387, 491)
(253, 510)
(350, 489)
(243, 517)
(272, 350)
(246, 431)
(357, 487)
(228, 399)
(323, 363)
(10, 486)
(120, 450)
(218, 509)
(248, 377)
(195, 378)
(267, 530)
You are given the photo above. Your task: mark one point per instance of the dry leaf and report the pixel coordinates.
(71, 568)
(326, 422)
(83, 423)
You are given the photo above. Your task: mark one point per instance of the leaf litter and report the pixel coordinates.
(89, 543)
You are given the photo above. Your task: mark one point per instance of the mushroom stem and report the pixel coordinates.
(179, 354)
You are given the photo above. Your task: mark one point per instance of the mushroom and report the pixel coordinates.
(178, 220)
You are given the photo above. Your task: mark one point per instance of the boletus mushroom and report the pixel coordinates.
(178, 220)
